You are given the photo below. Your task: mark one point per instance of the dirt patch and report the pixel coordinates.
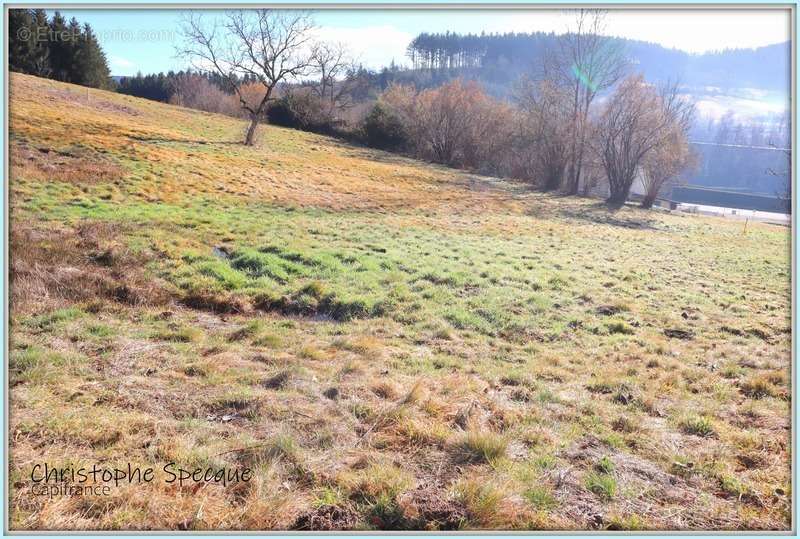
(679, 334)
(654, 488)
(327, 518)
(428, 508)
(279, 381)
(607, 310)
(589, 449)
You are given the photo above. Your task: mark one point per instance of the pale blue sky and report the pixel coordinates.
(144, 40)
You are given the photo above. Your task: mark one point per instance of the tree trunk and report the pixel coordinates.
(249, 138)
(616, 200)
(552, 182)
(575, 181)
(619, 192)
(647, 201)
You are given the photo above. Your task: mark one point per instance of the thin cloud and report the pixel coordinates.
(690, 30)
(373, 46)
(121, 63)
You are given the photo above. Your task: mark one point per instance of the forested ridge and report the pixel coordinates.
(764, 67)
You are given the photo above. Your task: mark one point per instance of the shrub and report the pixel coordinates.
(302, 110)
(197, 92)
(383, 129)
(287, 112)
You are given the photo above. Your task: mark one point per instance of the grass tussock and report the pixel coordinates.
(481, 446)
(698, 426)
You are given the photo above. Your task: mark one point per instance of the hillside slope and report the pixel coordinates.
(386, 343)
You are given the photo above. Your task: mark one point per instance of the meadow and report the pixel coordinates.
(386, 343)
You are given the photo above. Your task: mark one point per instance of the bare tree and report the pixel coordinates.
(585, 63)
(782, 136)
(197, 92)
(456, 124)
(337, 77)
(663, 166)
(637, 118)
(268, 46)
(543, 129)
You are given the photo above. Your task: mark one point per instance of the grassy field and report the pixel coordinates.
(387, 344)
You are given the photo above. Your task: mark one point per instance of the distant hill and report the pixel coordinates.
(767, 68)
(499, 59)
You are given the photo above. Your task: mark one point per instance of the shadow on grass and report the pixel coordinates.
(593, 211)
(165, 140)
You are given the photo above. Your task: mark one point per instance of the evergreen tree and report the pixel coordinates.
(55, 48)
(61, 48)
(40, 45)
(20, 40)
(28, 50)
(72, 46)
(90, 65)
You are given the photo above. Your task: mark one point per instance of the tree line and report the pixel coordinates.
(163, 86)
(55, 48)
(452, 50)
(500, 58)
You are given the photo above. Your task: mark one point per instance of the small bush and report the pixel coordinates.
(293, 110)
(624, 424)
(269, 341)
(377, 481)
(258, 264)
(602, 386)
(222, 273)
(45, 322)
(309, 351)
(383, 129)
(279, 381)
(628, 523)
(385, 390)
(178, 334)
(196, 369)
(281, 447)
